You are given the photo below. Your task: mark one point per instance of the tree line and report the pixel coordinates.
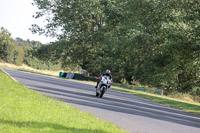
(18, 51)
(156, 43)
(9, 51)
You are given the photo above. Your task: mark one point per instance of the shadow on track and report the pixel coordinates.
(82, 94)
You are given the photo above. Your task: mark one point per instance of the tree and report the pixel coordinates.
(169, 29)
(9, 50)
(154, 42)
(83, 24)
(4, 43)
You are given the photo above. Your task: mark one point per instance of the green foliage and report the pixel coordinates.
(4, 40)
(154, 42)
(34, 62)
(9, 50)
(28, 43)
(29, 47)
(173, 55)
(20, 51)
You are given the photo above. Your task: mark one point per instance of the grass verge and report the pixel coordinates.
(24, 110)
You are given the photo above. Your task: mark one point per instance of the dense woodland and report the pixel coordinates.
(153, 42)
(156, 43)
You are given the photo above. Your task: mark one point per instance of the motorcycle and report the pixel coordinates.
(103, 86)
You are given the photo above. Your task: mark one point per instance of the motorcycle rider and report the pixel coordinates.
(107, 73)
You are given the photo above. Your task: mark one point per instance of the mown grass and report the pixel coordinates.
(23, 110)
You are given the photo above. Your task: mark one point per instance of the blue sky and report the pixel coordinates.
(16, 17)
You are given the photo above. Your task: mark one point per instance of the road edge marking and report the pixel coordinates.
(9, 75)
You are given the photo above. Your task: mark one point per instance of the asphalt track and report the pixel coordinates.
(132, 113)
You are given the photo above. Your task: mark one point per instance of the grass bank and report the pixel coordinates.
(24, 110)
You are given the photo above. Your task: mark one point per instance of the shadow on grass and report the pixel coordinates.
(40, 126)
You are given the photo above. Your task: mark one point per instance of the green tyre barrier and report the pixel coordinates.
(61, 74)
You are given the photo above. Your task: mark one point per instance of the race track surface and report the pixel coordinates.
(132, 113)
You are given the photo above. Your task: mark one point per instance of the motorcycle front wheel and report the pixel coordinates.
(102, 91)
(97, 94)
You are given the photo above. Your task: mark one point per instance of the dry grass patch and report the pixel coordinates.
(23, 66)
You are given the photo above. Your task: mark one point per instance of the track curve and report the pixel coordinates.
(132, 113)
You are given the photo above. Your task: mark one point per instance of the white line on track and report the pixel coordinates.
(8, 74)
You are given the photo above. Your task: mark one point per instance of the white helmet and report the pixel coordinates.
(108, 72)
